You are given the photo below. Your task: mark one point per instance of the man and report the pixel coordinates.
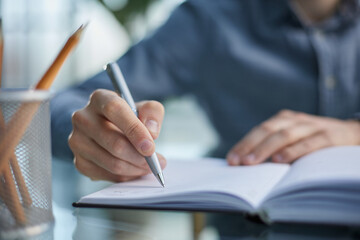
(245, 62)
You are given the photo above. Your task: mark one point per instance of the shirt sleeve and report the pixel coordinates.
(163, 65)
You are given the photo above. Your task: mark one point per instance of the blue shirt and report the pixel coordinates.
(243, 60)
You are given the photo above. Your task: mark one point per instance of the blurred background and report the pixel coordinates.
(35, 31)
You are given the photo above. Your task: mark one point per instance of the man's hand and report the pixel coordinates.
(109, 142)
(290, 135)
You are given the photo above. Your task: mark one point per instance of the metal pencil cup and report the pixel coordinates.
(25, 169)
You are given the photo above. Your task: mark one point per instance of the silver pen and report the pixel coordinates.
(121, 87)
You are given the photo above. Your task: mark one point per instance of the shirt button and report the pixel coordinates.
(330, 82)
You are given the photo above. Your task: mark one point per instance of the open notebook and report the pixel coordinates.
(322, 187)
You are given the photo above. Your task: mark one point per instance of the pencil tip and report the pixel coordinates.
(82, 27)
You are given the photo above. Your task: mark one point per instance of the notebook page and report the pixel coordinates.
(334, 164)
(250, 183)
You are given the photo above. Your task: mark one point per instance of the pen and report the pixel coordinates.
(121, 87)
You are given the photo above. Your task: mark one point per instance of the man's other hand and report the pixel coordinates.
(290, 135)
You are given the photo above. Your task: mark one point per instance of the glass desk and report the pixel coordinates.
(137, 224)
(92, 223)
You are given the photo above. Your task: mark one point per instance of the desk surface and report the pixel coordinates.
(90, 223)
(137, 224)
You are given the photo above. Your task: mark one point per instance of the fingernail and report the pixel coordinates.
(234, 159)
(146, 145)
(249, 158)
(152, 125)
(278, 158)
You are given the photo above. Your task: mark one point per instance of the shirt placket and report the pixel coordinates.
(327, 75)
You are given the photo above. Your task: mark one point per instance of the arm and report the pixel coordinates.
(161, 66)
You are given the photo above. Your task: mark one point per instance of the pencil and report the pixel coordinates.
(22, 117)
(25, 195)
(14, 164)
(1, 49)
(20, 121)
(9, 193)
(18, 177)
(48, 78)
(12, 201)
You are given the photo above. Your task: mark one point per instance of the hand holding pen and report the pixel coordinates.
(121, 87)
(109, 142)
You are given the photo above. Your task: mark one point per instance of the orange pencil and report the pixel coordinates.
(12, 201)
(48, 78)
(1, 48)
(21, 119)
(14, 164)
(8, 189)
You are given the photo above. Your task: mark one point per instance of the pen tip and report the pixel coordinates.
(160, 178)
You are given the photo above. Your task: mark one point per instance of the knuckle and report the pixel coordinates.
(73, 144)
(118, 146)
(266, 127)
(95, 95)
(78, 119)
(288, 153)
(286, 113)
(112, 106)
(132, 129)
(116, 166)
(286, 134)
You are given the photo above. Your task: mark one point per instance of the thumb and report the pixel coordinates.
(151, 114)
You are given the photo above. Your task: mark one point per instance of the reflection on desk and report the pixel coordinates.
(138, 224)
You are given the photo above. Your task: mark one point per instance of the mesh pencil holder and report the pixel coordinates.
(25, 163)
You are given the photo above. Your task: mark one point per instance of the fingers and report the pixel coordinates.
(94, 172)
(88, 150)
(97, 164)
(302, 147)
(109, 141)
(117, 111)
(277, 141)
(244, 148)
(106, 135)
